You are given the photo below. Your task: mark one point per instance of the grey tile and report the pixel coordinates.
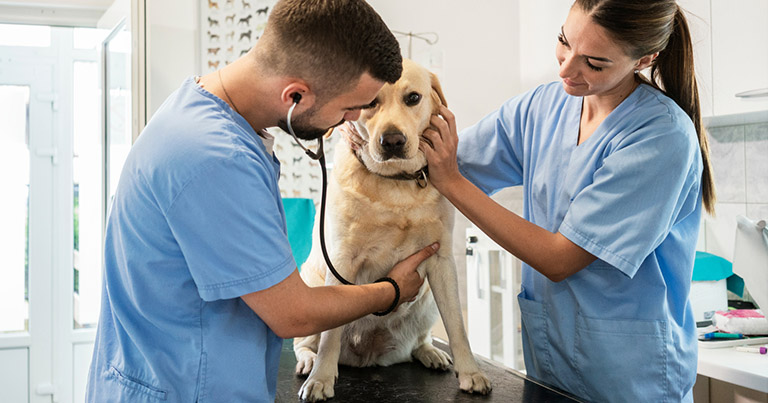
(756, 140)
(721, 229)
(728, 163)
(757, 211)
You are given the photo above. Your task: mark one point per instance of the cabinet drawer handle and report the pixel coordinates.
(763, 92)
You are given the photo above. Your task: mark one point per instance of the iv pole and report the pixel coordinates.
(430, 38)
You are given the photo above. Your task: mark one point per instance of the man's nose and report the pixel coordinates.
(351, 116)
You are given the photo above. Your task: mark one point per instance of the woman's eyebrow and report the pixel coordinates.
(598, 58)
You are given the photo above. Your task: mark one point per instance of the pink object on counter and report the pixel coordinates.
(742, 313)
(744, 321)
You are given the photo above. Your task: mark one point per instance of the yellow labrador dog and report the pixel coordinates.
(382, 209)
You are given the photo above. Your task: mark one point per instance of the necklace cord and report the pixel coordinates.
(221, 82)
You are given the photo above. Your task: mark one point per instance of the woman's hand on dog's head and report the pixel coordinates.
(350, 134)
(439, 143)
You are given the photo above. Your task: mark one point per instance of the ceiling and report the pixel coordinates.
(92, 4)
(71, 13)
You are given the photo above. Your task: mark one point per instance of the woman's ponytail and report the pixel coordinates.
(674, 73)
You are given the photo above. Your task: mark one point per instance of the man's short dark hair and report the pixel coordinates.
(330, 44)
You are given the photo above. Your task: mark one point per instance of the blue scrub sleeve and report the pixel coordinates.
(230, 227)
(490, 153)
(641, 190)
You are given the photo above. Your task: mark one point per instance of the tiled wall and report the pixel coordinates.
(740, 162)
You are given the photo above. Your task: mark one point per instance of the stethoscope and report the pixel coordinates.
(319, 156)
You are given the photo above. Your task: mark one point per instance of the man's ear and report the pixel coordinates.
(646, 61)
(306, 98)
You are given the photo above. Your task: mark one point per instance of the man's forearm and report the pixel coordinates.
(292, 309)
(333, 306)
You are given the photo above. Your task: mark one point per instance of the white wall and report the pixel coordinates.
(172, 47)
(479, 45)
(539, 24)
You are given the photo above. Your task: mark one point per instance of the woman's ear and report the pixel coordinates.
(646, 61)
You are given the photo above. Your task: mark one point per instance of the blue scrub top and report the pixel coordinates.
(622, 328)
(196, 222)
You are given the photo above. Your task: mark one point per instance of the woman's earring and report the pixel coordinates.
(637, 71)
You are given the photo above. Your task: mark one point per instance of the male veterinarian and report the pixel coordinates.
(199, 281)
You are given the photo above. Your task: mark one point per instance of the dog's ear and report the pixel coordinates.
(437, 92)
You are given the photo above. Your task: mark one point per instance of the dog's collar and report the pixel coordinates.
(419, 176)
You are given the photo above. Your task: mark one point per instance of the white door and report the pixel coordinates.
(27, 154)
(51, 164)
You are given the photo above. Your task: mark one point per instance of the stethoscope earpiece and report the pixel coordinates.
(314, 155)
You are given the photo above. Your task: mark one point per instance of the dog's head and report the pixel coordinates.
(394, 124)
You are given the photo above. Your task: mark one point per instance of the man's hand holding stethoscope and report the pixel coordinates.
(439, 144)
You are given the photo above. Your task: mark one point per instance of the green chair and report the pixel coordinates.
(299, 218)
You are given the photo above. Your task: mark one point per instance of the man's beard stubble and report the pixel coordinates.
(302, 130)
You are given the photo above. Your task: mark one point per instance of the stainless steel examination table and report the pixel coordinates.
(412, 382)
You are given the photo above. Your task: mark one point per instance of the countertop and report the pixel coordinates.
(412, 382)
(749, 370)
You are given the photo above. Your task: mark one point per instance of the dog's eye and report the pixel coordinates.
(412, 99)
(373, 104)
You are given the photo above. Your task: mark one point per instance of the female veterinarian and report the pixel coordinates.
(614, 172)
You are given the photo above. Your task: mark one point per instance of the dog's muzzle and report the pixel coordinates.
(393, 144)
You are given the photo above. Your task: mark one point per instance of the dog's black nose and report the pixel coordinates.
(393, 143)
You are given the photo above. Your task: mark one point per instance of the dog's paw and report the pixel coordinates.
(304, 362)
(432, 357)
(317, 388)
(474, 382)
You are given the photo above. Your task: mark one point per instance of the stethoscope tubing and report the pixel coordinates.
(319, 156)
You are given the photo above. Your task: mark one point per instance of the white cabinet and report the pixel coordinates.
(739, 54)
(731, 54)
(493, 282)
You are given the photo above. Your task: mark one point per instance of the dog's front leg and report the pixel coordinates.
(442, 277)
(319, 384)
